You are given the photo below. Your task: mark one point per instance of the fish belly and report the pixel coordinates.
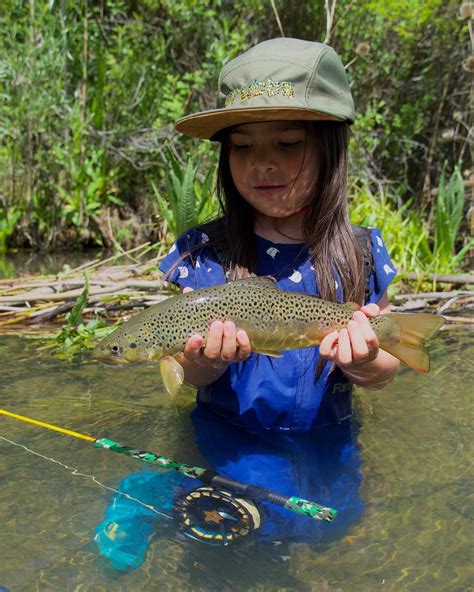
(284, 336)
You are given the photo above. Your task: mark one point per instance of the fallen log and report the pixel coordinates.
(440, 278)
(432, 295)
(51, 296)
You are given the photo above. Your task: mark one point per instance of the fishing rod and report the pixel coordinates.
(294, 504)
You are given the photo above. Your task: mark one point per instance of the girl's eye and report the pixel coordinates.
(290, 144)
(241, 146)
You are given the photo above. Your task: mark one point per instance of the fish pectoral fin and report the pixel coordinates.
(268, 352)
(172, 374)
(315, 333)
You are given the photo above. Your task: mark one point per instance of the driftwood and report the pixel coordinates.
(30, 300)
(433, 295)
(462, 279)
(117, 289)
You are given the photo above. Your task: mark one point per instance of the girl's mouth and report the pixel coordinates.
(266, 189)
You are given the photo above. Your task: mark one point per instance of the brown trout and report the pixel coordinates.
(274, 320)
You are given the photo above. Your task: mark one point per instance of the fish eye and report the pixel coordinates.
(115, 348)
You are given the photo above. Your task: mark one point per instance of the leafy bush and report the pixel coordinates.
(448, 216)
(188, 201)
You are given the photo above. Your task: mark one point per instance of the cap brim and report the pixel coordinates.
(207, 124)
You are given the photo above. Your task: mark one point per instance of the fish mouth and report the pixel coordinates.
(124, 359)
(110, 361)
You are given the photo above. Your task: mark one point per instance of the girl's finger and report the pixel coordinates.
(187, 290)
(243, 342)
(371, 310)
(212, 351)
(359, 348)
(328, 346)
(229, 342)
(192, 350)
(344, 349)
(367, 332)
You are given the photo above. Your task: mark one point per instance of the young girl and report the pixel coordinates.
(282, 121)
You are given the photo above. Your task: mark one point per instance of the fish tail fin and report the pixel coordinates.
(172, 374)
(407, 341)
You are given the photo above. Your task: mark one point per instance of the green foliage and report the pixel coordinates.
(188, 200)
(88, 183)
(8, 220)
(406, 234)
(90, 93)
(448, 215)
(77, 335)
(409, 85)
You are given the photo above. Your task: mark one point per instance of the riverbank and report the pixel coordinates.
(38, 302)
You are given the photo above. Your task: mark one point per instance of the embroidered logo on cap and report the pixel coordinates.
(257, 88)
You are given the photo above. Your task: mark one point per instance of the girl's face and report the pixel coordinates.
(273, 166)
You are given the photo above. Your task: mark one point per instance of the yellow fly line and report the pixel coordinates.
(47, 425)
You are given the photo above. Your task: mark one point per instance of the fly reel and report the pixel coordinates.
(215, 516)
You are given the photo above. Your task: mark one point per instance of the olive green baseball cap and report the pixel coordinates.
(278, 79)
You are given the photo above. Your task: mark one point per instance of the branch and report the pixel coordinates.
(282, 33)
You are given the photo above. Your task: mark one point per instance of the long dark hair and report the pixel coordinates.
(334, 250)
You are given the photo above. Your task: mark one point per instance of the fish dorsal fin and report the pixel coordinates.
(263, 281)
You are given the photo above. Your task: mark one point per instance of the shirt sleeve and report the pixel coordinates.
(384, 270)
(192, 263)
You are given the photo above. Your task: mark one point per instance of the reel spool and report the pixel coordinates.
(215, 516)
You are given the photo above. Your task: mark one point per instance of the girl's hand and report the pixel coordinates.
(355, 350)
(225, 344)
(355, 345)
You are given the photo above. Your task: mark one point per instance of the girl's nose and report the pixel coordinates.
(263, 160)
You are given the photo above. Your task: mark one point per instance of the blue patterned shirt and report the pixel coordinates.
(266, 392)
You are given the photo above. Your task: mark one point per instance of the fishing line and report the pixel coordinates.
(78, 473)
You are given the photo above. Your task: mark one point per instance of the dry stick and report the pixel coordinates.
(432, 295)
(461, 320)
(49, 315)
(464, 278)
(71, 294)
(96, 294)
(19, 293)
(448, 304)
(277, 16)
(94, 264)
(330, 10)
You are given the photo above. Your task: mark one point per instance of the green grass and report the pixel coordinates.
(410, 240)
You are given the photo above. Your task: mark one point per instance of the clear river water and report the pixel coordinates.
(408, 484)
(415, 532)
